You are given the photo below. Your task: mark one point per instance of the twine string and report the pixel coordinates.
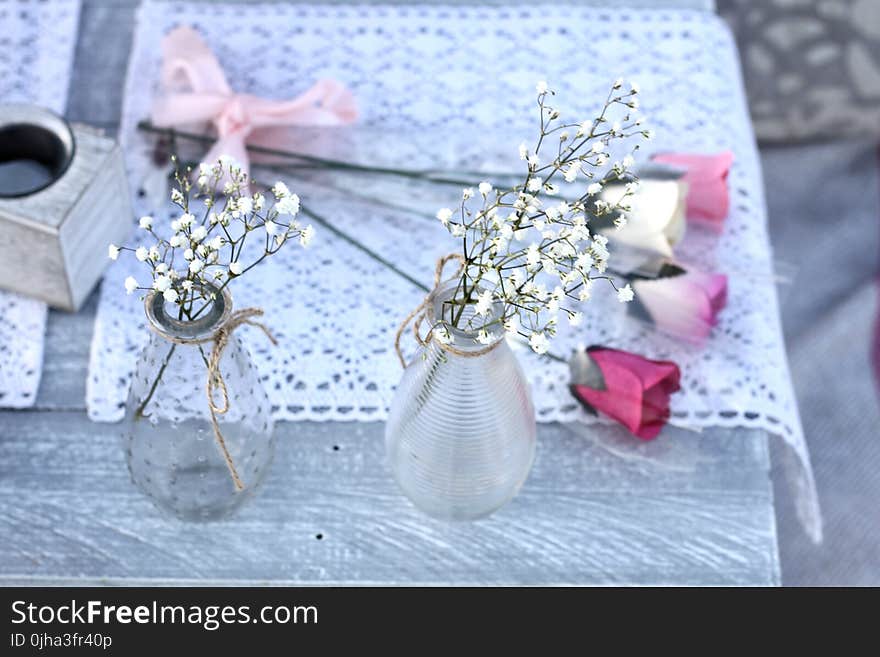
(419, 314)
(215, 381)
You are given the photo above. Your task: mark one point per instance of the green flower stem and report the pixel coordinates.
(316, 162)
(139, 413)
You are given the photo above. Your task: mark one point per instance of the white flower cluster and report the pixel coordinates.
(529, 249)
(204, 253)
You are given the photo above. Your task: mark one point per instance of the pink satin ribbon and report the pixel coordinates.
(196, 91)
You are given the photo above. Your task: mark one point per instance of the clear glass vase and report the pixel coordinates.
(461, 431)
(174, 453)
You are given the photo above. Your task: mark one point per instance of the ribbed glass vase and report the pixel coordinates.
(173, 452)
(461, 432)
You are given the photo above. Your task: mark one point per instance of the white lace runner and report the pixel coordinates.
(454, 86)
(35, 65)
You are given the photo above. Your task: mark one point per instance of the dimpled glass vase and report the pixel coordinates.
(173, 452)
(460, 435)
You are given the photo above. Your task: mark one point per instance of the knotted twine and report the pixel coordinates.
(215, 381)
(418, 315)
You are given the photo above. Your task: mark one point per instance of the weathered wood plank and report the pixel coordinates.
(66, 358)
(599, 508)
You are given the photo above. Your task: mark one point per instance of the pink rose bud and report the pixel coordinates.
(626, 387)
(708, 198)
(685, 304)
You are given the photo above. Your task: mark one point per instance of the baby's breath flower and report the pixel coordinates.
(146, 222)
(484, 303)
(141, 253)
(131, 284)
(586, 291)
(527, 255)
(161, 283)
(170, 295)
(444, 215)
(541, 87)
(483, 337)
(625, 294)
(289, 204)
(235, 268)
(538, 342)
(112, 251)
(307, 235)
(196, 266)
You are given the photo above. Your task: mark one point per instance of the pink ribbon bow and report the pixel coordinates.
(196, 91)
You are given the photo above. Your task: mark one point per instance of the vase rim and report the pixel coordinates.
(188, 331)
(464, 339)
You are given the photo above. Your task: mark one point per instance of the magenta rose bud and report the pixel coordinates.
(685, 304)
(708, 198)
(626, 387)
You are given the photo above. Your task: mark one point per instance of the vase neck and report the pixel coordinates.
(465, 333)
(188, 331)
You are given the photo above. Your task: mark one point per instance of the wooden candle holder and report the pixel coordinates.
(63, 198)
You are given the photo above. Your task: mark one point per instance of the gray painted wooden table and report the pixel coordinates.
(598, 508)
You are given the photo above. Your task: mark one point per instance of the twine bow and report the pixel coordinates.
(417, 316)
(215, 381)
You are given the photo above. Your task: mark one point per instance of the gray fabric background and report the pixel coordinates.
(812, 67)
(824, 212)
